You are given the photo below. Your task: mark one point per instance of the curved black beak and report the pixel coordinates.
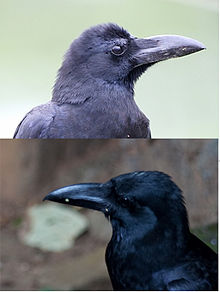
(163, 47)
(88, 195)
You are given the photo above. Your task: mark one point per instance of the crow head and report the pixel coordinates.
(136, 203)
(108, 54)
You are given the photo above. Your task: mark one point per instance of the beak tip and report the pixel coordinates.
(44, 199)
(47, 198)
(202, 47)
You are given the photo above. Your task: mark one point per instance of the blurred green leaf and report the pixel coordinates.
(208, 234)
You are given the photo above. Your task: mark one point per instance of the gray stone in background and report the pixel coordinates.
(54, 227)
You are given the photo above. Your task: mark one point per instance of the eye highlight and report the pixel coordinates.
(118, 50)
(125, 202)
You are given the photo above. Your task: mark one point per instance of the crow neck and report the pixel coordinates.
(168, 244)
(71, 89)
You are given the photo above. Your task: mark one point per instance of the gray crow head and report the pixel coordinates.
(109, 54)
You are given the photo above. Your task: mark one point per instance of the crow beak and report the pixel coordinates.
(159, 48)
(89, 195)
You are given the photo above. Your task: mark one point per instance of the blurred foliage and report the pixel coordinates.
(209, 235)
(46, 288)
(17, 222)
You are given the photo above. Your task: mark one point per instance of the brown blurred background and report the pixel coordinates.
(31, 169)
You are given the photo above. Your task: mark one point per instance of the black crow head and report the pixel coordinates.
(109, 54)
(145, 199)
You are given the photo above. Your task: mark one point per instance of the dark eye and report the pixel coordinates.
(118, 50)
(125, 202)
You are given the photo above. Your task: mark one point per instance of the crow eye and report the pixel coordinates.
(118, 50)
(125, 202)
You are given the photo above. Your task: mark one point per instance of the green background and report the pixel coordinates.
(179, 96)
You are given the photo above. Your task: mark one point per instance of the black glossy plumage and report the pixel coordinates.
(93, 96)
(151, 246)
